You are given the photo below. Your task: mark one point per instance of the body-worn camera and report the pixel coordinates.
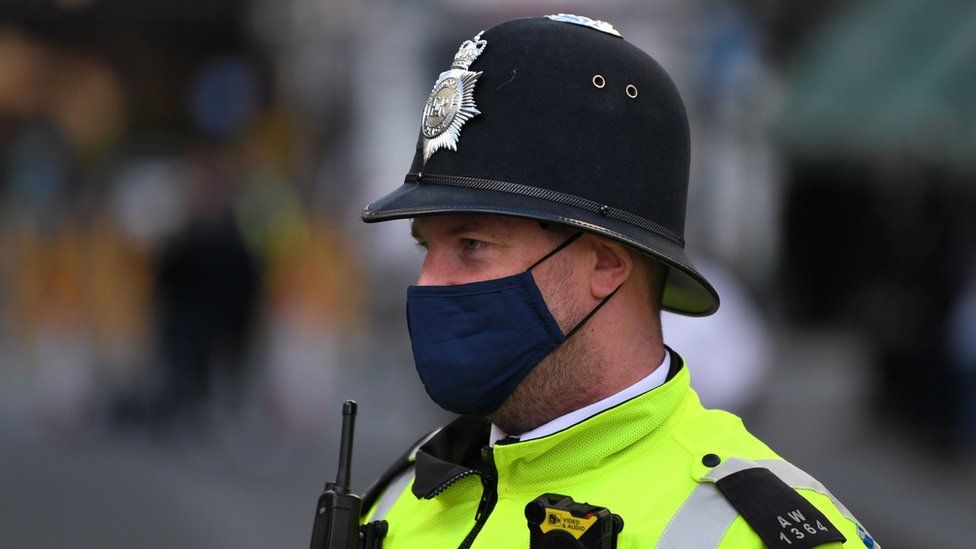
(558, 522)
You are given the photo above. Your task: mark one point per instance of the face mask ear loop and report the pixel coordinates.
(593, 312)
(558, 249)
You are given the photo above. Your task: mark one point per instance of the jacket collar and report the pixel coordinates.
(457, 450)
(453, 453)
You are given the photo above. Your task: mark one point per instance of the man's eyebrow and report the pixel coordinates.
(461, 227)
(464, 226)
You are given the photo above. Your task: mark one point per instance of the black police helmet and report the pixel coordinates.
(559, 119)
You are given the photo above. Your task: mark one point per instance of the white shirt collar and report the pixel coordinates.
(652, 381)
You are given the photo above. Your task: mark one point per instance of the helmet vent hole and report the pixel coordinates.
(631, 91)
(599, 81)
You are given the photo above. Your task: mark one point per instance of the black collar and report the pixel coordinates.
(454, 452)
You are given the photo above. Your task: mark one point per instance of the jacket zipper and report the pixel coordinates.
(489, 497)
(448, 483)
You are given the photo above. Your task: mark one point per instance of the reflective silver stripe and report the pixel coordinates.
(706, 515)
(700, 522)
(391, 494)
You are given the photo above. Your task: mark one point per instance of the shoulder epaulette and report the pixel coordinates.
(764, 493)
(779, 515)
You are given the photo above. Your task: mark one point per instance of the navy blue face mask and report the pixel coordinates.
(474, 343)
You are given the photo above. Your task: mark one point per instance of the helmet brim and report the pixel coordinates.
(685, 291)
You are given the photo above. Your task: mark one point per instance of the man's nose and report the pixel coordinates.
(437, 270)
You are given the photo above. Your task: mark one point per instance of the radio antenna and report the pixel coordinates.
(344, 475)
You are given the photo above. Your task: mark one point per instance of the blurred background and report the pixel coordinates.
(187, 294)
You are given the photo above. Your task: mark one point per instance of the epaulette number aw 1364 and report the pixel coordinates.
(783, 518)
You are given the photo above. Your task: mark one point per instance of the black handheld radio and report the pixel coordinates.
(337, 513)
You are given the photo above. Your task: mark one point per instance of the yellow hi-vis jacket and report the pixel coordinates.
(669, 467)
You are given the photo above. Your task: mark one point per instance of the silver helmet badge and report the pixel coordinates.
(451, 102)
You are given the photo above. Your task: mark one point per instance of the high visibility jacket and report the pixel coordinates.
(658, 460)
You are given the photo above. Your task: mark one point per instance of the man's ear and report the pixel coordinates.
(612, 265)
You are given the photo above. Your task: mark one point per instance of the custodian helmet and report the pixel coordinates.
(559, 119)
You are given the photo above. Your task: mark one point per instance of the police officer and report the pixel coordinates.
(549, 188)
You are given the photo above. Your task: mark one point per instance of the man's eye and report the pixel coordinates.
(422, 246)
(470, 245)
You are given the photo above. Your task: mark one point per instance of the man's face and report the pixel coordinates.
(463, 248)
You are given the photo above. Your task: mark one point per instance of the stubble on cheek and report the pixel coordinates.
(558, 384)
